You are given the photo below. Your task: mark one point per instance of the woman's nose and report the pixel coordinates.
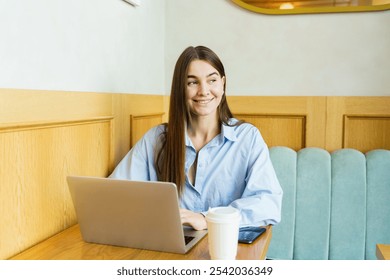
(204, 89)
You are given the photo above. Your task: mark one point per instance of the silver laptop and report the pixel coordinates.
(142, 215)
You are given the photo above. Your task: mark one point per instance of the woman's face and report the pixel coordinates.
(204, 88)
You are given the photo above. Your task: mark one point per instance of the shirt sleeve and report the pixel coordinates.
(261, 200)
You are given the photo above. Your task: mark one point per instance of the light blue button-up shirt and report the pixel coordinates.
(233, 169)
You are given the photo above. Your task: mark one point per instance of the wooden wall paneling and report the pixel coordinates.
(18, 105)
(140, 124)
(46, 135)
(123, 107)
(36, 158)
(358, 122)
(280, 130)
(366, 133)
(121, 139)
(166, 101)
(316, 121)
(334, 123)
(295, 122)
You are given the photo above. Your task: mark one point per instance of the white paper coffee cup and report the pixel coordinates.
(223, 226)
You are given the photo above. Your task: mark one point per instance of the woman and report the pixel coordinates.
(213, 159)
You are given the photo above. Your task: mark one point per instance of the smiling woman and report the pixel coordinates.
(312, 6)
(214, 159)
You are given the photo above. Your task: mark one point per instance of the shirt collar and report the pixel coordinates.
(227, 132)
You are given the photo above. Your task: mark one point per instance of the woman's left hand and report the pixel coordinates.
(195, 220)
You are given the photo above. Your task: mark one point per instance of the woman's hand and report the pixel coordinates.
(195, 220)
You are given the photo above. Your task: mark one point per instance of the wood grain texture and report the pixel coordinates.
(123, 107)
(280, 130)
(366, 132)
(140, 124)
(295, 122)
(69, 245)
(36, 159)
(383, 251)
(47, 135)
(330, 123)
(27, 106)
(357, 122)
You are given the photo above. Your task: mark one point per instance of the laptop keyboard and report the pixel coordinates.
(187, 239)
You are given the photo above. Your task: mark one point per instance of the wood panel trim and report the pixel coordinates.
(365, 117)
(12, 127)
(135, 118)
(338, 107)
(292, 116)
(123, 106)
(20, 105)
(146, 116)
(356, 117)
(312, 107)
(301, 117)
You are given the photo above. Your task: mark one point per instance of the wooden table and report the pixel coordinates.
(69, 245)
(383, 251)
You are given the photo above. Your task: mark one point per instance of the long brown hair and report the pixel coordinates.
(170, 159)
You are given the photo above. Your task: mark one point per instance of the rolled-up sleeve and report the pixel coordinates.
(261, 200)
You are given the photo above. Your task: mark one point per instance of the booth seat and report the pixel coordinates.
(335, 205)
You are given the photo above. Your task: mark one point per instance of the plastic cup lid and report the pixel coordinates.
(223, 214)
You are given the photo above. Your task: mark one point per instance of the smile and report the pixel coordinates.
(204, 101)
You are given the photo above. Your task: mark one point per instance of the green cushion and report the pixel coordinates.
(348, 210)
(312, 205)
(378, 200)
(335, 206)
(285, 163)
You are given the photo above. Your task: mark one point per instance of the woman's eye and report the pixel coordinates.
(191, 83)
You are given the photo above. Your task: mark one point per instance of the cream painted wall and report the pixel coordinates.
(82, 45)
(324, 54)
(110, 46)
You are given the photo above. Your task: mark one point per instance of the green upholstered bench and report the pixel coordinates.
(335, 205)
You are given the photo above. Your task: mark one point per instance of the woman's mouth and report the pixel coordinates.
(203, 101)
